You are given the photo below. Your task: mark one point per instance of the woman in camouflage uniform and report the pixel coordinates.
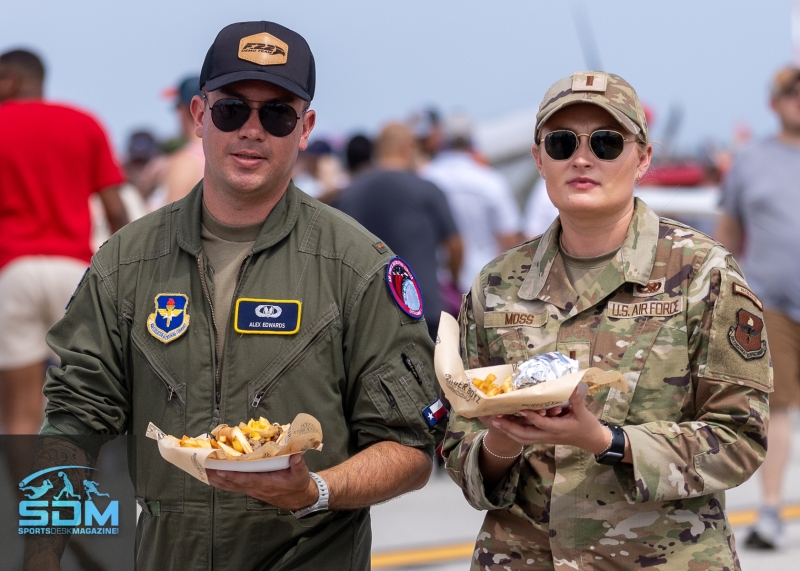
(616, 480)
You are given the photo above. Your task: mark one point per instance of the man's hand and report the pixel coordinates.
(290, 489)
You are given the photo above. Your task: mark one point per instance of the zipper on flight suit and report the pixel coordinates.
(217, 379)
(318, 335)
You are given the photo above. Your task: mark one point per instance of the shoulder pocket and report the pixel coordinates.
(737, 344)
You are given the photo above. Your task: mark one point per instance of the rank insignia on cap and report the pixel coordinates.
(434, 413)
(745, 336)
(404, 287)
(263, 49)
(171, 318)
(267, 316)
(589, 82)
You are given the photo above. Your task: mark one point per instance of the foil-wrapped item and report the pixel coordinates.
(543, 368)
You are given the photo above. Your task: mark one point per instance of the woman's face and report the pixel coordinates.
(583, 184)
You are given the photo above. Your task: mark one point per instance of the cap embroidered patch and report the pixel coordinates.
(589, 82)
(404, 287)
(745, 336)
(267, 316)
(653, 287)
(263, 49)
(434, 413)
(171, 318)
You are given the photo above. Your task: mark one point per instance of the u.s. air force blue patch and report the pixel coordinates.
(267, 316)
(404, 287)
(171, 318)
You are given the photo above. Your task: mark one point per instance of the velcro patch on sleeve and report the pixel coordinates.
(645, 308)
(267, 316)
(745, 335)
(514, 319)
(743, 291)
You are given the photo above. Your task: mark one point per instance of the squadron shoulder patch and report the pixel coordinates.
(267, 316)
(404, 287)
(745, 336)
(171, 318)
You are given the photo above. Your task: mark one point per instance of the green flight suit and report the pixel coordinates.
(344, 365)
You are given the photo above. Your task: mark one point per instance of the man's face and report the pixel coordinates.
(249, 160)
(787, 107)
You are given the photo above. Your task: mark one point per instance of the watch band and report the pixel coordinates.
(322, 500)
(616, 448)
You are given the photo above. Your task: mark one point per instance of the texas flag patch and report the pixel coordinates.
(434, 413)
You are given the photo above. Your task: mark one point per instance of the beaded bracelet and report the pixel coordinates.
(483, 443)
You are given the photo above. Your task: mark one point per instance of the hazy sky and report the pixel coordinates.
(378, 60)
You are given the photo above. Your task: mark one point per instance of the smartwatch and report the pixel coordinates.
(322, 501)
(616, 448)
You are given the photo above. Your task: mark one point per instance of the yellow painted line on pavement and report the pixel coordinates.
(461, 551)
(408, 557)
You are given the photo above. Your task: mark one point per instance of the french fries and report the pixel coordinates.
(235, 441)
(490, 388)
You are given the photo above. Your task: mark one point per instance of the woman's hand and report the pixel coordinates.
(574, 426)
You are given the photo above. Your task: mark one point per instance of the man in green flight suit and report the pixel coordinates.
(248, 298)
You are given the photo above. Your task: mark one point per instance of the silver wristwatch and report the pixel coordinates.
(322, 501)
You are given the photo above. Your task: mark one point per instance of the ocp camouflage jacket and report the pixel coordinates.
(673, 313)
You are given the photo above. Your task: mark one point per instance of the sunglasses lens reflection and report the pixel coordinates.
(560, 145)
(607, 145)
(278, 119)
(229, 114)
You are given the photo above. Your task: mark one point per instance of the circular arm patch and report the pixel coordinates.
(404, 287)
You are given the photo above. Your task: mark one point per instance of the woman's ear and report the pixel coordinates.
(535, 151)
(644, 161)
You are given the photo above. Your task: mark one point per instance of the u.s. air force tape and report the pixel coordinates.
(267, 316)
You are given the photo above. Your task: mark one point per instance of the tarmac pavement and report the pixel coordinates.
(434, 529)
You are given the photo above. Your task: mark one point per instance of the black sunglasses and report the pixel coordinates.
(278, 119)
(606, 145)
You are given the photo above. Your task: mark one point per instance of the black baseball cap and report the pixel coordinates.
(264, 51)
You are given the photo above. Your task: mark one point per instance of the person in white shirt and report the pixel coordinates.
(481, 201)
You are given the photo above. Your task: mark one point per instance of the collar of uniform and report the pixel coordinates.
(277, 225)
(635, 258)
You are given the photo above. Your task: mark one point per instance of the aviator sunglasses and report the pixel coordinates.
(278, 119)
(605, 144)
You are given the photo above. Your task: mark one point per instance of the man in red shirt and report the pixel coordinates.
(52, 158)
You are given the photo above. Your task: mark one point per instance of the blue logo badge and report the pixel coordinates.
(171, 318)
(404, 287)
(66, 512)
(267, 316)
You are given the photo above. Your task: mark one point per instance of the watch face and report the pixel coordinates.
(609, 458)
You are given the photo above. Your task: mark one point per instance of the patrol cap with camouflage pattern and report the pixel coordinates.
(607, 90)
